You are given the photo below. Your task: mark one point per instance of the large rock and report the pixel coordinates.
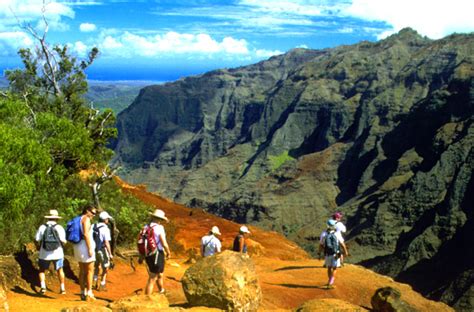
(387, 299)
(140, 303)
(3, 299)
(226, 281)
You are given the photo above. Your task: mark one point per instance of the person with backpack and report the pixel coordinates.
(103, 250)
(84, 250)
(210, 244)
(51, 237)
(152, 246)
(334, 247)
(341, 228)
(239, 241)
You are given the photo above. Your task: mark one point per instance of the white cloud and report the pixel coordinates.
(171, 43)
(80, 48)
(303, 46)
(261, 53)
(434, 19)
(87, 27)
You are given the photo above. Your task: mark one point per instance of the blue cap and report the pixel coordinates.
(331, 222)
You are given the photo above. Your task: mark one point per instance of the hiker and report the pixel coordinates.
(156, 261)
(84, 253)
(103, 250)
(333, 248)
(210, 244)
(340, 227)
(239, 242)
(51, 237)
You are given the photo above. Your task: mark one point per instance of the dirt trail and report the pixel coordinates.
(287, 275)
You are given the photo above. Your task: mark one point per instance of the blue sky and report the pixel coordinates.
(167, 39)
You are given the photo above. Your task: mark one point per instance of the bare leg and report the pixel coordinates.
(61, 279)
(90, 275)
(82, 276)
(42, 281)
(152, 279)
(159, 282)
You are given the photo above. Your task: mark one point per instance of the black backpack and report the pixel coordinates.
(50, 239)
(331, 244)
(99, 244)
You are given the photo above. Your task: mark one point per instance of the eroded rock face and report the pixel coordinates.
(388, 299)
(226, 281)
(140, 303)
(382, 131)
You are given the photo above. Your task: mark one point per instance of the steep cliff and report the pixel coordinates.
(381, 131)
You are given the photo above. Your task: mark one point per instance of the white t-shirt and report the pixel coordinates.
(56, 254)
(211, 245)
(104, 232)
(158, 230)
(340, 227)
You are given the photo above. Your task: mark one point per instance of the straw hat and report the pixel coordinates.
(158, 213)
(215, 230)
(53, 214)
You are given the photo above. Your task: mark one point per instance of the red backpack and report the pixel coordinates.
(146, 242)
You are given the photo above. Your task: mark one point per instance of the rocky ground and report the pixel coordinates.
(288, 277)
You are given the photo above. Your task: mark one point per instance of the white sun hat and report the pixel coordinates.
(53, 214)
(158, 213)
(244, 229)
(215, 230)
(104, 215)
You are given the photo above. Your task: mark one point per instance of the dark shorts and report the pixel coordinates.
(44, 264)
(156, 262)
(102, 259)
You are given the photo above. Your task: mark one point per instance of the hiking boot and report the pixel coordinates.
(83, 297)
(163, 291)
(102, 288)
(42, 290)
(328, 286)
(62, 292)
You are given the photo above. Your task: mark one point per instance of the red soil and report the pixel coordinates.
(287, 275)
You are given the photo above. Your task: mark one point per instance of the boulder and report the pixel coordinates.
(387, 299)
(86, 308)
(140, 303)
(3, 299)
(227, 281)
(324, 305)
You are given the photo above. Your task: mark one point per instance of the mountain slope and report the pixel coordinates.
(381, 131)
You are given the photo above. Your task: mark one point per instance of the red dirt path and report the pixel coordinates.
(287, 275)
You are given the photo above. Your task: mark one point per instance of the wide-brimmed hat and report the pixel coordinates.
(158, 213)
(244, 229)
(104, 215)
(215, 230)
(53, 214)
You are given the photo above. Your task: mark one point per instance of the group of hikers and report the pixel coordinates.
(92, 248)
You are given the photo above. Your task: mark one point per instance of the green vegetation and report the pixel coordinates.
(48, 135)
(114, 95)
(278, 160)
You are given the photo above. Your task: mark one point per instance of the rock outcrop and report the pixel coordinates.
(140, 303)
(381, 131)
(324, 305)
(388, 299)
(226, 281)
